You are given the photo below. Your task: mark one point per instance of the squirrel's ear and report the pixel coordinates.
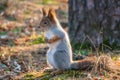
(45, 12)
(52, 15)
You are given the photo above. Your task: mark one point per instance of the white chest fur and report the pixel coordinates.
(49, 34)
(51, 52)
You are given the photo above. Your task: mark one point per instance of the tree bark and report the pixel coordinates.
(97, 20)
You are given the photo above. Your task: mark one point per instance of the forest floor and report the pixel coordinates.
(23, 51)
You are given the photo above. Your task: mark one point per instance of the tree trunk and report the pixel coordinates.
(95, 21)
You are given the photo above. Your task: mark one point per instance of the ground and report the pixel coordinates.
(22, 48)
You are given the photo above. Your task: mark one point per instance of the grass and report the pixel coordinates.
(3, 33)
(66, 75)
(45, 2)
(17, 30)
(114, 45)
(64, 14)
(37, 39)
(88, 46)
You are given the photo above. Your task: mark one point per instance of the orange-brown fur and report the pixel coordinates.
(54, 39)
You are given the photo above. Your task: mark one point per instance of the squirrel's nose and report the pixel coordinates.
(38, 26)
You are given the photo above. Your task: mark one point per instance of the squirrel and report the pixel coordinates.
(59, 55)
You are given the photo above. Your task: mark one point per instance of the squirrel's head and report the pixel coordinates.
(49, 19)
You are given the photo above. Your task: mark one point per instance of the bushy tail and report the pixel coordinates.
(86, 63)
(104, 62)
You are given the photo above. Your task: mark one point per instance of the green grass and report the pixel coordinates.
(3, 33)
(17, 30)
(86, 47)
(45, 2)
(38, 40)
(82, 52)
(29, 77)
(113, 45)
(65, 15)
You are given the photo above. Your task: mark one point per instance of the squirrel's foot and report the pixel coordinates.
(57, 72)
(48, 69)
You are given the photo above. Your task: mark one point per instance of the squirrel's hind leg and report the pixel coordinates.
(62, 60)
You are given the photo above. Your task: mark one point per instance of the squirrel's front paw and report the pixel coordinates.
(46, 40)
(52, 40)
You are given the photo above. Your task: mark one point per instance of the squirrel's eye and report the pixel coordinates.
(45, 22)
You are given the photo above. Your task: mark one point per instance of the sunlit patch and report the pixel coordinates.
(119, 58)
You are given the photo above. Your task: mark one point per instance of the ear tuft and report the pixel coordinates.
(45, 11)
(52, 14)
